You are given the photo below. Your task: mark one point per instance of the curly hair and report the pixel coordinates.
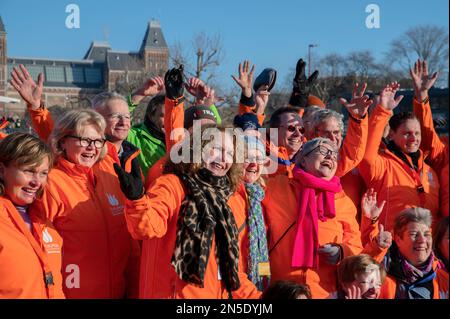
(235, 173)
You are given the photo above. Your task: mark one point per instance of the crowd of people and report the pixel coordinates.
(181, 206)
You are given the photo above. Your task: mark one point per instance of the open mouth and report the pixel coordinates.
(327, 164)
(88, 156)
(217, 166)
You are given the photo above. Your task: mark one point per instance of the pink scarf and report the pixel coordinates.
(310, 210)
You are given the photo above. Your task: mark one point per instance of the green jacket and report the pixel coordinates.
(152, 149)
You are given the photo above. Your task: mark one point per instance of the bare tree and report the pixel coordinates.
(203, 57)
(427, 42)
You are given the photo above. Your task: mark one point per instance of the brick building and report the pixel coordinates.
(69, 83)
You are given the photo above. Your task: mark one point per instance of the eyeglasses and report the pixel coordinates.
(324, 151)
(119, 116)
(85, 142)
(292, 128)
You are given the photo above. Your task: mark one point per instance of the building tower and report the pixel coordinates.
(154, 50)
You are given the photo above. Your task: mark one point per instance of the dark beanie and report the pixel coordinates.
(197, 112)
(246, 121)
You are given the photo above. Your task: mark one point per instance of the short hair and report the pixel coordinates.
(310, 111)
(99, 101)
(324, 114)
(274, 121)
(284, 289)
(441, 229)
(73, 123)
(411, 215)
(153, 104)
(351, 266)
(398, 119)
(313, 144)
(23, 149)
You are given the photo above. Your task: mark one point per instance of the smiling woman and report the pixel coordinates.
(25, 162)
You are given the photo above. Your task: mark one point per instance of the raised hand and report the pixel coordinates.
(197, 88)
(369, 205)
(261, 99)
(353, 292)
(26, 87)
(421, 80)
(130, 183)
(301, 86)
(384, 238)
(387, 96)
(173, 82)
(359, 104)
(151, 87)
(245, 80)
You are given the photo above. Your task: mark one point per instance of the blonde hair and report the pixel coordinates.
(235, 173)
(73, 123)
(23, 149)
(351, 266)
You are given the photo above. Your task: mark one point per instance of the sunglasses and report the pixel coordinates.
(292, 128)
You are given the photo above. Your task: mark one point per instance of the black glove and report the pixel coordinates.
(130, 183)
(302, 86)
(173, 81)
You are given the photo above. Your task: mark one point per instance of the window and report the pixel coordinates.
(93, 75)
(54, 74)
(34, 70)
(74, 74)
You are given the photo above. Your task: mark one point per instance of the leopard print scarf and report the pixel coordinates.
(204, 214)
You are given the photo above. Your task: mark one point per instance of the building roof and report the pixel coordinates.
(97, 52)
(2, 26)
(154, 38)
(121, 61)
(62, 73)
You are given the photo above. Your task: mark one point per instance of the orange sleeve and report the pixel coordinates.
(354, 146)
(42, 122)
(251, 109)
(351, 241)
(373, 166)
(2, 135)
(148, 216)
(173, 122)
(370, 245)
(431, 143)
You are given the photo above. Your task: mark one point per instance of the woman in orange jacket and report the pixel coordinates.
(399, 174)
(293, 222)
(190, 218)
(413, 270)
(84, 201)
(30, 247)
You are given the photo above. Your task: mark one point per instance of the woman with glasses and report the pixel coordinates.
(84, 202)
(307, 235)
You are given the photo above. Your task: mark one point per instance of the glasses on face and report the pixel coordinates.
(324, 151)
(119, 116)
(85, 142)
(292, 128)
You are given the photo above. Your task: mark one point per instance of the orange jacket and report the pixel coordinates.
(25, 256)
(354, 187)
(440, 285)
(87, 207)
(438, 150)
(251, 109)
(386, 173)
(154, 219)
(281, 207)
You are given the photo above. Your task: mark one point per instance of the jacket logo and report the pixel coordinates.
(113, 201)
(46, 236)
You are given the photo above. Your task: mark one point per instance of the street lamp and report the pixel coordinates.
(309, 57)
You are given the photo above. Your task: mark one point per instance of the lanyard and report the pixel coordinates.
(47, 273)
(419, 185)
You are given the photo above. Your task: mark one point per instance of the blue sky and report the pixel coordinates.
(271, 33)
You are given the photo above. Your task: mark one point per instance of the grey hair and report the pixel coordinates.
(321, 115)
(412, 215)
(99, 101)
(73, 123)
(310, 111)
(313, 144)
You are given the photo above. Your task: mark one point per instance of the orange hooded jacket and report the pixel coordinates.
(387, 175)
(25, 256)
(438, 151)
(281, 207)
(154, 218)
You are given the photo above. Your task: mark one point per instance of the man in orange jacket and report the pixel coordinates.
(399, 174)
